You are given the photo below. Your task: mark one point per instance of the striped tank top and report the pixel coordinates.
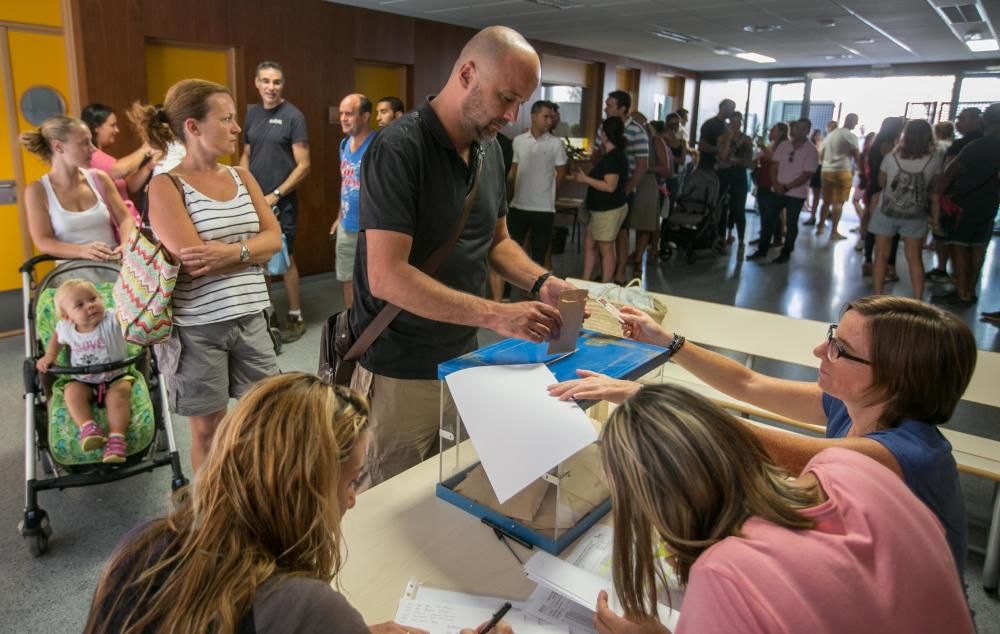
(208, 299)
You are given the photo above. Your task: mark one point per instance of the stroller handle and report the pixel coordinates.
(99, 368)
(30, 265)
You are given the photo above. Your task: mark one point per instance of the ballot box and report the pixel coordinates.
(523, 462)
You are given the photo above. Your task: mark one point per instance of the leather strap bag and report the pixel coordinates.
(144, 290)
(339, 350)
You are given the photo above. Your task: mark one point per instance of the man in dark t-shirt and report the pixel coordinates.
(711, 131)
(971, 182)
(414, 181)
(276, 151)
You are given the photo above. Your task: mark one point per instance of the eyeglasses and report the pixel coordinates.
(835, 349)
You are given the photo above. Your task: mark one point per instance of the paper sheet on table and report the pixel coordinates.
(581, 586)
(518, 430)
(450, 618)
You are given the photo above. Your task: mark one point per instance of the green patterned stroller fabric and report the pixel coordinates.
(64, 442)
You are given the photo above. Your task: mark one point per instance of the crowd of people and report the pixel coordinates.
(764, 523)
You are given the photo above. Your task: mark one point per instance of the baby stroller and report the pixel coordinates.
(694, 218)
(50, 436)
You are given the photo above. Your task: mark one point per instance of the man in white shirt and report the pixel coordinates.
(839, 149)
(539, 166)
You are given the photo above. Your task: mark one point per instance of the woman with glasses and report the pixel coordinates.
(890, 372)
(255, 543)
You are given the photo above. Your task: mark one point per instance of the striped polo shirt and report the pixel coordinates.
(637, 144)
(209, 299)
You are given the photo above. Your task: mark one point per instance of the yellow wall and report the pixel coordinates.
(44, 12)
(36, 59)
(167, 64)
(376, 81)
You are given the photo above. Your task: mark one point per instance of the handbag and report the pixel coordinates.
(145, 285)
(339, 350)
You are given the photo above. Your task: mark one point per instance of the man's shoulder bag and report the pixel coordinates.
(339, 350)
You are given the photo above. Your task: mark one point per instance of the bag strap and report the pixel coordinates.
(436, 258)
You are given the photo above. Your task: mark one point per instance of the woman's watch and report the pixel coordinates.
(244, 252)
(676, 344)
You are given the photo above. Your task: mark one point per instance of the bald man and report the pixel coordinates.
(414, 181)
(355, 122)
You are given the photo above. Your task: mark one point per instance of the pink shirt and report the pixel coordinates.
(877, 561)
(105, 162)
(792, 162)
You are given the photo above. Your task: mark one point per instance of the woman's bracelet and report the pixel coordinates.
(676, 344)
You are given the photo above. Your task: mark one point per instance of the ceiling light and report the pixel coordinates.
(667, 34)
(865, 40)
(827, 22)
(982, 46)
(840, 56)
(756, 57)
(556, 4)
(722, 50)
(761, 28)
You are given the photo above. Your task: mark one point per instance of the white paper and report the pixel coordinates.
(581, 586)
(448, 618)
(518, 429)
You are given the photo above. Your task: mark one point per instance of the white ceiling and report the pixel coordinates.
(624, 27)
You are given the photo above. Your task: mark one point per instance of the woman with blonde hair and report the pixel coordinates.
(255, 543)
(212, 218)
(73, 210)
(758, 549)
(890, 372)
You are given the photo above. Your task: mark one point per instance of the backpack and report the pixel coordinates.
(907, 196)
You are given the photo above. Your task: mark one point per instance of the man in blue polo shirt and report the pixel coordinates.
(355, 121)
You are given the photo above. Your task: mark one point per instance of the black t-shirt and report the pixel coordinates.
(414, 182)
(271, 135)
(711, 130)
(874, 165)
(614, 162)
(959, 144)
(975, 188)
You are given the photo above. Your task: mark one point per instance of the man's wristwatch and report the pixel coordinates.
(244, 252)
(540, 282)
(276, 192)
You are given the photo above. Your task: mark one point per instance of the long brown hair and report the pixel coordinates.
(187, 99)
(687, 474)
(265, 502)
(917, 141)
(922, 358)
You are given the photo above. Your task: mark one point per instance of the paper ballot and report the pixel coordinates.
(517, 428)
(581, 586)
(444, 612)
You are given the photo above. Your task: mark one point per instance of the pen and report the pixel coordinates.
(496, 618)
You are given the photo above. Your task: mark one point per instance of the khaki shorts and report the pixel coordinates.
(836, 185)
(347, 246)
(604, 225)
(205, 365)
(404, 417)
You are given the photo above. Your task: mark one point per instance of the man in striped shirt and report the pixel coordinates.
(618, 104)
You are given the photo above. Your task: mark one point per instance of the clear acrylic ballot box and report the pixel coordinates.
(555, 509)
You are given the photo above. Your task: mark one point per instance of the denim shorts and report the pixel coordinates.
(912, 228)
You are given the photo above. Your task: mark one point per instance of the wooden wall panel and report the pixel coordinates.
(316, 41)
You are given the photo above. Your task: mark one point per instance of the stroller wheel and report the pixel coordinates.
(178, 483)
(38, 536)
(691, 257)
(666, 254)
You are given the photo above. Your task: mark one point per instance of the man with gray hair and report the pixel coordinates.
(415, 178)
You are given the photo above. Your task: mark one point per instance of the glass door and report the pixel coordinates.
(784, 101)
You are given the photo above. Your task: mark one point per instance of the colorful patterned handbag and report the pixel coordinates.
(145, 285)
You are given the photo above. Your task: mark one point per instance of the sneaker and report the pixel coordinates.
(756, 255)
(91, 436)
(781, 259)
(293, 330)
(114, 450)
(993, 317)
(938, 275)
(810, 222)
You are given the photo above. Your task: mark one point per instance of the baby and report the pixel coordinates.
(93, 336)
